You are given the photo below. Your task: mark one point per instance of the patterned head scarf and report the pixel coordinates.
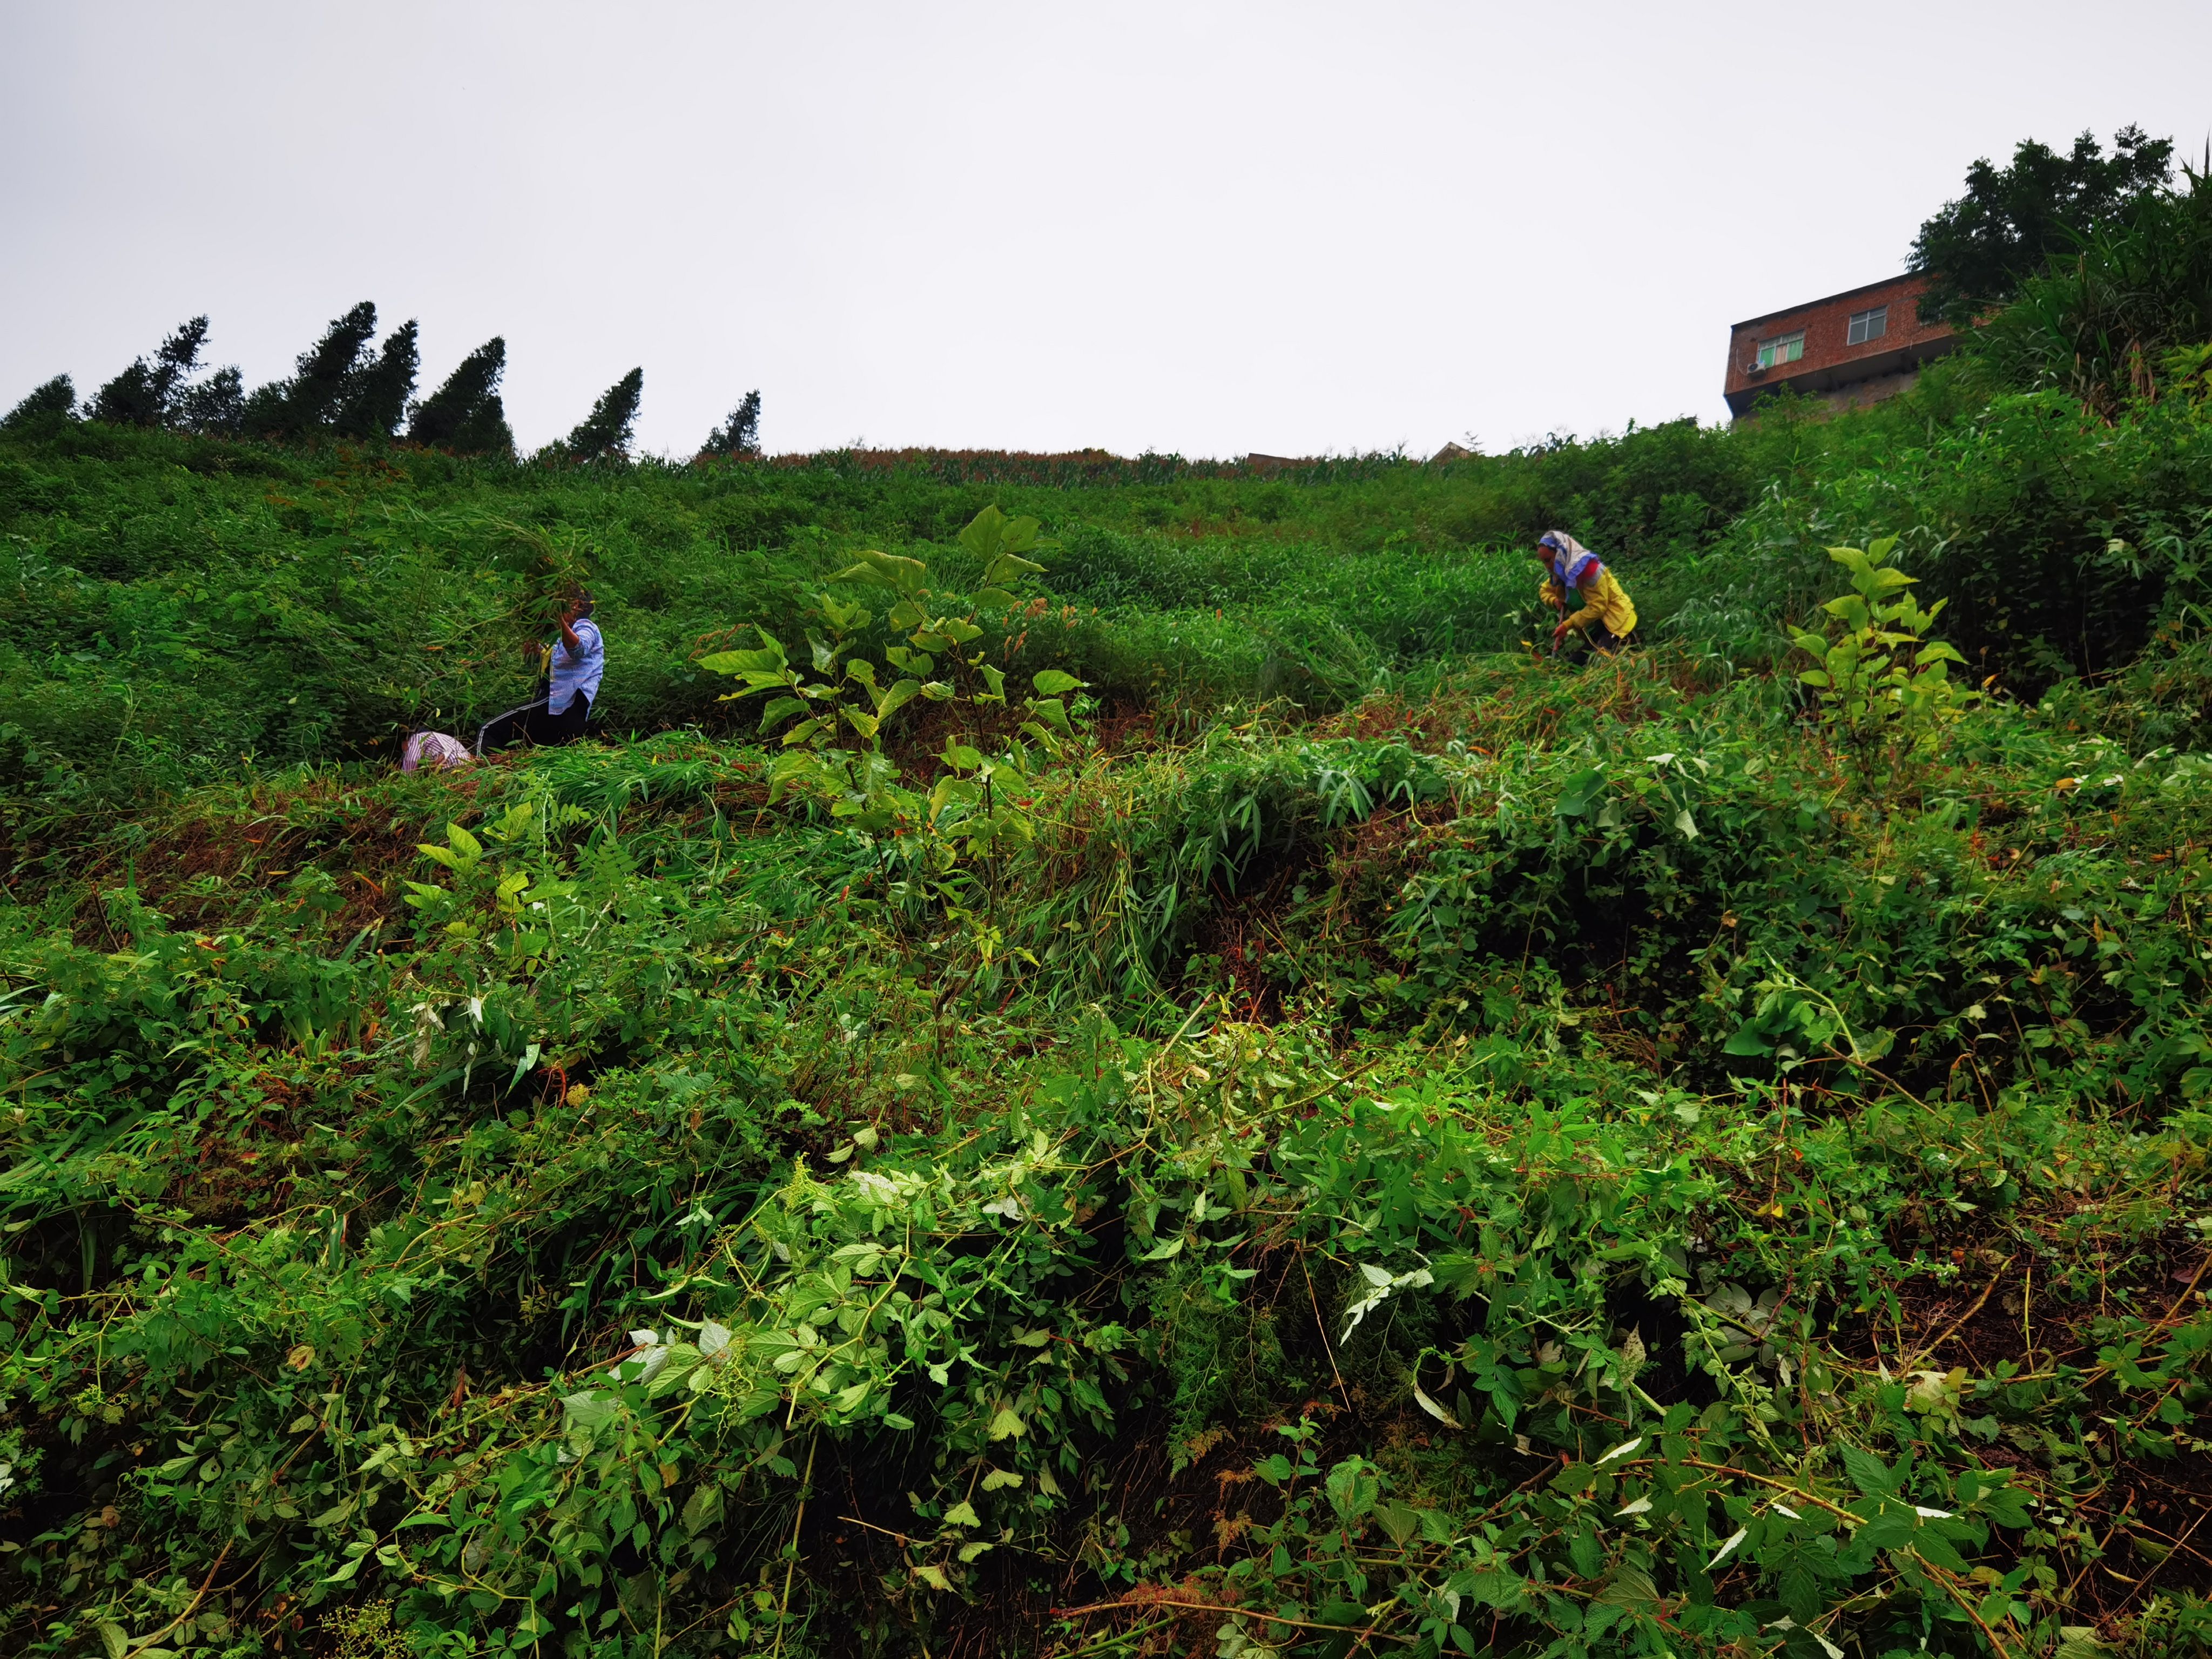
(1571, 560)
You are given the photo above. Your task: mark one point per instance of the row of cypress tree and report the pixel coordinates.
(346, 385)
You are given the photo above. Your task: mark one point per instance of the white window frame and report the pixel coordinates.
(1867, 326)
(1782, 350)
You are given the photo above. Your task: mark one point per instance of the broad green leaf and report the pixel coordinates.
(1353, 1487)
(703, 1509)
(1867, 1473)
(1931, 1545)
(1628, 1587)
(1401, 1520)
(901, 694)
(891, 570)
(986, 534)
(589, 1409)
(1580, 793)
(779, 708)
(769, 658)
(1850, 609)
(1799, 1568)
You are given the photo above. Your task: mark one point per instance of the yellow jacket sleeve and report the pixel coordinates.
(1605, 603)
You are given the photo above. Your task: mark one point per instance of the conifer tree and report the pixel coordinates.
(55, 400)
(605, 434)
(141, 395)
(376, 401)
(325, 373)
(180, 355)
(465, 414)
(740, 435)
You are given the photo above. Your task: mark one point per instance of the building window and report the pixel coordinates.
(1868, 326)
(1788, 349)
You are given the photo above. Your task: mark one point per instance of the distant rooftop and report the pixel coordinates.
(1857, 346)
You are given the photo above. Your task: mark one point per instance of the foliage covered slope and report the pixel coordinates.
(1474, 1154)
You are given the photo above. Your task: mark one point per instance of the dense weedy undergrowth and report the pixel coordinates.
(1153, 1086)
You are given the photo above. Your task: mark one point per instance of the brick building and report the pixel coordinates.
(1856, 347)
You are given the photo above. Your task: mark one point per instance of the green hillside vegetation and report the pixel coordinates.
(1098, 1060)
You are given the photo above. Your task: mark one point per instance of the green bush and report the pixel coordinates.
(1389, 1141)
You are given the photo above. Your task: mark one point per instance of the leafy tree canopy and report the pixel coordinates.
(214, 408)
(1978, 249)
(2124, 316)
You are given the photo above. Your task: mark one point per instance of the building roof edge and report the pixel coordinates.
(1808, 305)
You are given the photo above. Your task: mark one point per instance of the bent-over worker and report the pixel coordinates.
(1608, 616)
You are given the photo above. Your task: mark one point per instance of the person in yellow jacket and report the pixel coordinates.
(1608, 616)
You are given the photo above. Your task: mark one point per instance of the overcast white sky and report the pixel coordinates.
(1212, 228)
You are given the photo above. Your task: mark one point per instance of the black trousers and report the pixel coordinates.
(1599, 639)
(534, 724)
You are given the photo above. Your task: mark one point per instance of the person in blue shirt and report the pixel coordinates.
(575, 663)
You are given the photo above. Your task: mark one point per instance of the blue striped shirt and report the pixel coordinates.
(577, 670)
